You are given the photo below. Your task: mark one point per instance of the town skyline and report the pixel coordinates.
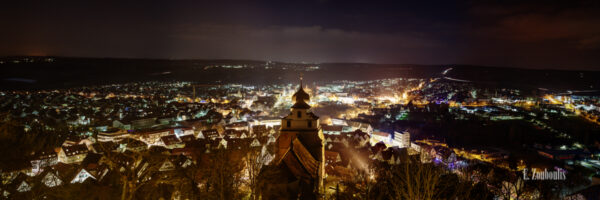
(311, 99)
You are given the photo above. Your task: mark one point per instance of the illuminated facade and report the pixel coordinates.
(72, 154)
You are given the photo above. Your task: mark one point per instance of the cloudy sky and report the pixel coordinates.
(529, 34)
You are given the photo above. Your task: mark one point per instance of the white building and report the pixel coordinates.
(384, 137)
(402, 140)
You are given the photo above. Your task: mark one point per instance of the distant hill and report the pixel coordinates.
(557, 80)
(48, 73)
(61, 72)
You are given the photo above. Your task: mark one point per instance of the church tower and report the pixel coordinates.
(300, 146)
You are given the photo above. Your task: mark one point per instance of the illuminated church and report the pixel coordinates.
(300, 151)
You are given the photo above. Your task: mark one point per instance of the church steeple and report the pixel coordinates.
(301, 98)
(301, 148)
(301, 80)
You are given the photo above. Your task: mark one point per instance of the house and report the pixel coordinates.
(199, 135)
(187, 138)
(73, 140)
(24, 187)
(172, 142)
(22, 183)
(153, 137)
(269, 122)
(132, 145)
(5, 193)
(92, 159)
(167, 165)
(268, 157)
(332, 130)
(271, 140)
(43, 159)
(255, 143)
(222, 144)
(211, 134)
(332, 157)
(183, 131)
(364, 127)
(384, 137)
(50, 179)
(238, 126)
(180, 161)
(82, 176)
(238, 143)
(232, 133)
(72, 154)
(112, 135)
(358, 138)
(259, 130)
(188, 162)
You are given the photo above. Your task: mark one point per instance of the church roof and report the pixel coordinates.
(300, 95)
(300, 98)
(301, 105)
(299, 161)
(308, 162)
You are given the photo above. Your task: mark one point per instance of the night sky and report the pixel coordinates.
(541, 34)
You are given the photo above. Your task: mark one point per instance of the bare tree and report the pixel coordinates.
(416, 181)
(87, 190)
(507, 184)
(359, 185)
(189, 177)
(135, 169)
(254, 160)
(223, 174)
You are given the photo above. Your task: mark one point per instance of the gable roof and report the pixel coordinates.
(170, 140)
(167, 165)
(64, 171)
(23, 186)
(82, 176)
(299, 161)
(50, 179)
(75, 149)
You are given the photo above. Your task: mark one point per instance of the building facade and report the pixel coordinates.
(301, 153)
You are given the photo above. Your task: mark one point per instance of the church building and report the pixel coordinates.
(300, 150)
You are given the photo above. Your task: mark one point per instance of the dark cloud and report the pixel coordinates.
(308, 44)
(522, 23)
(505, 33)
(538, 35)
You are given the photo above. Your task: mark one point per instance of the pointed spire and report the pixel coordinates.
(301, 97)
(301, 77)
